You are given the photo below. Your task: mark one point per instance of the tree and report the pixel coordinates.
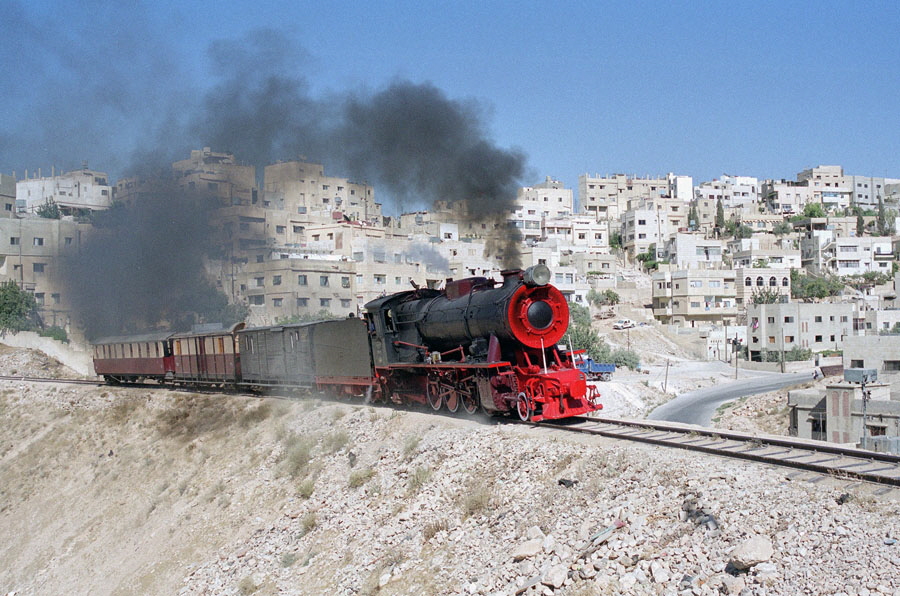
(765, 295)
(860, 225)
(807, 288)
(615, 240)
(579, 315)
(49, 210)
(814, 210)
(720, 214)
(782, 228)
(693, 217)
(649, 258)
(16, 308)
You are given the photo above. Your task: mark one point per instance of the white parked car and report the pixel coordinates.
(623, 324)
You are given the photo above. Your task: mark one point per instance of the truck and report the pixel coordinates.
(595, 371)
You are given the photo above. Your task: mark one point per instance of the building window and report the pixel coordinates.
(68, 241)
(260, 282)
(788, 339)
(323, 281)
(345, 303)
(301, 279)
(856, 364)
(773, 282)
(789, 319)
(38, 267)
(345, 281)
(759, 281)
(380, 280)
(55, 298)
(325, 302)
(771, 339)
(280, 229)
(276, 281)
(38, 241)
(256, 300)
(844, 319)
(818, 339)
(817, 319)
(748, 282)
(276, 302)
(14, 240)
(39, 298)
(302, 302)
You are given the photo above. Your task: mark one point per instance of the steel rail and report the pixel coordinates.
(828, 459)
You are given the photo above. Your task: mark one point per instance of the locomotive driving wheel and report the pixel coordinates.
(524, 406)
(469, 397)
(451, 398)
(433, 393)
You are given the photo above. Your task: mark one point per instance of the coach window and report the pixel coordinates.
(389, 320)
(221, 345)
(177, 345)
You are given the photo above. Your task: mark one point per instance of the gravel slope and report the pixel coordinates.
(131, 491)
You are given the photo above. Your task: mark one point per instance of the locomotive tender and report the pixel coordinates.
(476, 344)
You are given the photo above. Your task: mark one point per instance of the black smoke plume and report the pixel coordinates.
(145, 265)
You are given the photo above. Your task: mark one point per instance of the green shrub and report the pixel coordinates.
(54, 332)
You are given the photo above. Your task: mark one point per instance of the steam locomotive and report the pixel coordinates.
(475, 345)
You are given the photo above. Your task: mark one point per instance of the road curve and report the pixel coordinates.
(698, 407)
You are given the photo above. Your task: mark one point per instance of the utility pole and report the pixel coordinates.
(737, 344)
(865, 400)
(666, 381)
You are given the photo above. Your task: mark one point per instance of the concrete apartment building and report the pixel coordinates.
(752, 280)
(765, 250)
(695, 297)
(736, 192)
(304, 190)
(606, 197)
(838, 415)
(73, 192)
(534, 204)
(692, 250)
(785, 197)
(706, 214)
(758, 222)
(783, 326)
(33, 251)
(218, 174)
(579, 232)
(824, 253)
(7, 196)
(828, 186)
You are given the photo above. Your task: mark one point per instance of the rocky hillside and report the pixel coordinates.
(127, 491)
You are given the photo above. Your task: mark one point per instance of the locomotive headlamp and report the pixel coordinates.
(538, 275)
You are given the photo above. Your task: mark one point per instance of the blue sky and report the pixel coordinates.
(759, 89)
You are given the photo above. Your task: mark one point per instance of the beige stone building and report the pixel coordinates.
(218, 174)
(33, 252)
(304, 190)
(695, 297)
(7, 196)
(607, 197)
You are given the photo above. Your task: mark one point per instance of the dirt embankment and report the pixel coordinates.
(135, 491)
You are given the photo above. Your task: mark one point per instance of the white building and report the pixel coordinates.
(72, 191)
(547, 200)
(693, 251)
(607, 197)
(736, 192)
(785, 197)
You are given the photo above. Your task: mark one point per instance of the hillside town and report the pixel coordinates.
(758, 270)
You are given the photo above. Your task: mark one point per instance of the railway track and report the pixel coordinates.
(828, 459)
(812, 456)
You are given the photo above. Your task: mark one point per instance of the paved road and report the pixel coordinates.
(698, 407)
